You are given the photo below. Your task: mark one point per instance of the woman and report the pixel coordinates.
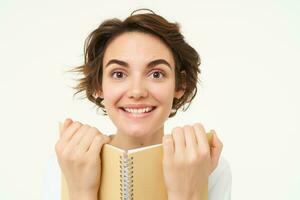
(140, 71)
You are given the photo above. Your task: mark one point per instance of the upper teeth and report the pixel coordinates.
(141, 110)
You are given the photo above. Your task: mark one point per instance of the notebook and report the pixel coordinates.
(132, 174)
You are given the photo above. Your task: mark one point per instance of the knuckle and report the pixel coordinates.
(103, 139)
(187, 128)
(194, 159)
(85, 126)
(176, 129)
(204, 153)
(75, 159)
(72, 157)
(179, 161)
(65, 154)
(58, 147)
(198, 125)
(77, 123)
(94, 131)
(98, 137)
(80, 160)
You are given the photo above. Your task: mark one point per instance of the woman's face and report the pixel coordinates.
(138, 72)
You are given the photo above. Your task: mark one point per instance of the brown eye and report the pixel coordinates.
(117, 74)
(157, 74)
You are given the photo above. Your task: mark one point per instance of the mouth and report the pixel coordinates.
(137, 113)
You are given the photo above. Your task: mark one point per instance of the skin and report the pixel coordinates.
(138, 85)
(188, 160)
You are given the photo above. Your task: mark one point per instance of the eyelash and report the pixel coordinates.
(162, 73)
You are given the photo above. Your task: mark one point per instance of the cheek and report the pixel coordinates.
(164, 93)
(112, 93)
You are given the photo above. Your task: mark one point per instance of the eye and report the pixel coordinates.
(118, 74)
(157, 74)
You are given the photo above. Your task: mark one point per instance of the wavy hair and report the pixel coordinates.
(186, 57)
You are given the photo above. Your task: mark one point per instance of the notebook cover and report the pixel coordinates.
(110, 173)
(148, 180)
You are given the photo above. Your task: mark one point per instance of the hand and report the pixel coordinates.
(78, 152)
(188, 160)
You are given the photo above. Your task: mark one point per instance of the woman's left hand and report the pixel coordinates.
(188, 160)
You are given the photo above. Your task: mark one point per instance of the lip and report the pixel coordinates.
(136, 116)
(137, 106)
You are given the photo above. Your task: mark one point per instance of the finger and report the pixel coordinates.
(190, 138)
(97, 144)
(168, 146)
(201, 138)
(77, 137)
(64, 126)
(179, 140)
(68, 133)
(216, 149)
(87, 139)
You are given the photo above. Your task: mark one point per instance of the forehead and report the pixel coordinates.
(136, 47)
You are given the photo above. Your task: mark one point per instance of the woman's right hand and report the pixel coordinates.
(78, 152)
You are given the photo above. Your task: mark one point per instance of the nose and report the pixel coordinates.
(137, 89)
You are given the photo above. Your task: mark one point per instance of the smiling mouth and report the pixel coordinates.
(138, 111)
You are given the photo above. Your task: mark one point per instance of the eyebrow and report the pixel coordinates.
(150, 65)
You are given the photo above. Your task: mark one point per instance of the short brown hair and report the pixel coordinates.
(186, 57)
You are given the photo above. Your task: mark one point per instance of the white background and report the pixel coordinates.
(249, 94)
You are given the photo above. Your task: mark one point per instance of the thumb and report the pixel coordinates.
(216, 149)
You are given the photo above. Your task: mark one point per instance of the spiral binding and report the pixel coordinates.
(126, 177)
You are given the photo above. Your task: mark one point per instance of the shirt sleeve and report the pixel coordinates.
(219, 186)
(51, 179)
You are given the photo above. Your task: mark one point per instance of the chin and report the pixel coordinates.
(137, 133)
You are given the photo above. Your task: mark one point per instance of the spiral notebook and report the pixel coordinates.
(133, 174)
(136, 174)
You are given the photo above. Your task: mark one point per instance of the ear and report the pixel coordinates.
(180, 93)
(98, 94)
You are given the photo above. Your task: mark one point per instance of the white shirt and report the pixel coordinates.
(219, 182)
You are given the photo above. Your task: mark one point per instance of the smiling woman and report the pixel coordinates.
(145, 78)
(184, 58)
(140, 71)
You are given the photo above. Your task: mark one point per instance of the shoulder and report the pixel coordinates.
(219, 183)
(51, 179)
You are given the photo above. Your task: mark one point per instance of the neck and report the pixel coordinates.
(126, 142)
